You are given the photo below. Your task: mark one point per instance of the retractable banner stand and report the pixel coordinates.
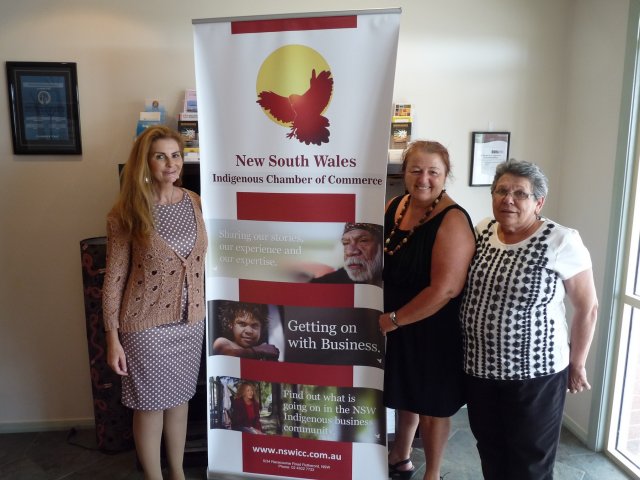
(293, 117)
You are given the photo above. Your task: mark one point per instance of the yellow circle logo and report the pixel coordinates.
(294, 88)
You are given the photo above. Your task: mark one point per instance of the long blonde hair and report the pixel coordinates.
(134, 207)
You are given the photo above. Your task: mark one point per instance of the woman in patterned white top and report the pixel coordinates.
(520, 357)
(153, 297)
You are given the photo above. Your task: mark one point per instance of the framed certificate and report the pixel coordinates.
(488, 149)
(43, 102)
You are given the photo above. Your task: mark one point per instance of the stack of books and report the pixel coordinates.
(188, 127)
(400, 126)
(154, 114)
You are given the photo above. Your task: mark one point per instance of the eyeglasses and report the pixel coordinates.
(516, 194)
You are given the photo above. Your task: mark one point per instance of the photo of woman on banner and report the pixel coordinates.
(429, 245)
(242, 330)
(362, 245)
(245, 410)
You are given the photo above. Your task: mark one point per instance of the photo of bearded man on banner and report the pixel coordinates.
(362, 244)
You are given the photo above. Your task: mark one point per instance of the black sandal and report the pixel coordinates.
(403, 474)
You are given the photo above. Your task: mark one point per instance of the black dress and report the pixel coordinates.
(423, 366)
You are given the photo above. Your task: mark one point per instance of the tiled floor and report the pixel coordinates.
(48, 456)
(573, 461)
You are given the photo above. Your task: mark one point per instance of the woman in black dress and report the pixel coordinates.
(428, 247)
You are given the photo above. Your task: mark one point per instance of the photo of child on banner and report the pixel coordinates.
(241, 329)
(324, 336)
(343, 414)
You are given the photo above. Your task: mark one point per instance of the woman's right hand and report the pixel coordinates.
(116, 359)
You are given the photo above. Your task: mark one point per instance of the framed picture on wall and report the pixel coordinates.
(43, 103)
(488, 149)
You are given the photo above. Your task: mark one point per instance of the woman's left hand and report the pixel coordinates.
(384, 321)
(582, 294)
(577, 379)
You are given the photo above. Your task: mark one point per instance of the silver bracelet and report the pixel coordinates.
(392, 317)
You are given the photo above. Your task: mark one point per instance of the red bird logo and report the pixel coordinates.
(303, 112)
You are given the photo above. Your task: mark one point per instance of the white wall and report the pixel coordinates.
(587, 159)
(516, 65)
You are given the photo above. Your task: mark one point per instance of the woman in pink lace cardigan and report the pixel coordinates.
(153, 296)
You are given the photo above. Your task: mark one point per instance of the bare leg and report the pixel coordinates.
(175, 435)
(407, 424)
(435, 433)
(147, 433)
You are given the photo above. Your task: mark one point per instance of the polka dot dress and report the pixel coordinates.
(164, 361)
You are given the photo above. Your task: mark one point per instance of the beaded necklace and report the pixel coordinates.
(420, 222)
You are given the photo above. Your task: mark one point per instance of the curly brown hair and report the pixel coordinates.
(228, 311)
(243, 388)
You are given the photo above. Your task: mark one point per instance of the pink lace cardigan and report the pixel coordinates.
(143, 286)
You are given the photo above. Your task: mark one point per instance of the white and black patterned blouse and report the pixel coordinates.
(513, 313)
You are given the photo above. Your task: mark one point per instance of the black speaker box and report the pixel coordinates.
(113, 420)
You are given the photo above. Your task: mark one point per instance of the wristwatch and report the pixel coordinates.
(392, 317)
